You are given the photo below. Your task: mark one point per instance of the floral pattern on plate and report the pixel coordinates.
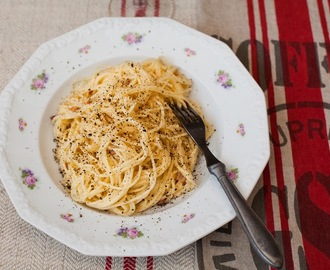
(68, 217)
(233, 174)
(39, 82)
(28, 178)
(241, 129)
(224, 79)
(21, 124)
(131, 233)
(84, 49)
(132, 38)
(186, 218)
(189, 52)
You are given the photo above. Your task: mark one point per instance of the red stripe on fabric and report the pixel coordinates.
(253, 41)
(108, 263)
(287, 249)
(123, 8)
(129, 263)
(268, 199)
(150, 263)
(324, 26)
(157, 7)
(310, 150)
(141, 10)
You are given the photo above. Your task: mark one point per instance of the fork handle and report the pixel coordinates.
(259, 236)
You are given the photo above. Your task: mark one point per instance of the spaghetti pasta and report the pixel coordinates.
(118, 144)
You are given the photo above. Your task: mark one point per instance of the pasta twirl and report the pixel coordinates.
(118, 144)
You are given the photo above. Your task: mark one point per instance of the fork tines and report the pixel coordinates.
(186, 114)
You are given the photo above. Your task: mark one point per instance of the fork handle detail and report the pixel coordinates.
(259, 236)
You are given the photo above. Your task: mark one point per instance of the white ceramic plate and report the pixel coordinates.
(229, 96)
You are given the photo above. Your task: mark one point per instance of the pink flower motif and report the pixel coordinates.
(85, 49)
(21, 124)
(67, 217)
(132, 233)
(28, 178)
(132, 38)
(129, 232)
(189, 52)
(40, 81)
(241, 129)
(224, 79)
(186, 218)
(233, 174)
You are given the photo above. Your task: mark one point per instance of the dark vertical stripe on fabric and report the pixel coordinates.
(157, 7)
(200, 254)
(123, 8)
(253, 41)
(140, 10)
(150, 263)
(108, 263)
(129, 263)
(269, 218)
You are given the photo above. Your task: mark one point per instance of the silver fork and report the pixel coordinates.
(259, 236)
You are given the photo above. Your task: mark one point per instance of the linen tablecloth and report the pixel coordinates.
(285, 45)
